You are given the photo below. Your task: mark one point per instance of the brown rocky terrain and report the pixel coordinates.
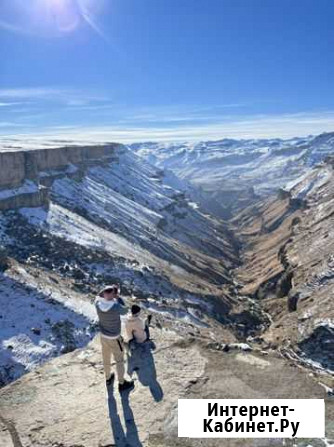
(65, 403)
(288, 265)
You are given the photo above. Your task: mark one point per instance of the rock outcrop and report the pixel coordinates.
(65, 403)
(39, 167)
(18, 165)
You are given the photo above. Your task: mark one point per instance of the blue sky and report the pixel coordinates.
(134, 70)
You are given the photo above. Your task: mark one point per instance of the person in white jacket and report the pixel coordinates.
(136, 328)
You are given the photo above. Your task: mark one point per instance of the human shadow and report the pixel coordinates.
(129, 437)
(141, 361)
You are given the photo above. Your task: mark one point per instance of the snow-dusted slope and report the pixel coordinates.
(34, 329)
(230, 170)
(127, 198)
(112, 220)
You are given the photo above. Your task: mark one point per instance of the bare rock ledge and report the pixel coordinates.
(65, 402)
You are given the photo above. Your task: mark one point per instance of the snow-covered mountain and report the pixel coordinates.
(230, 173)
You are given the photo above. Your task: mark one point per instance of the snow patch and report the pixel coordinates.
(34, 330)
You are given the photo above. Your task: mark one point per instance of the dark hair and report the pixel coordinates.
(135, 309)
(113, 289)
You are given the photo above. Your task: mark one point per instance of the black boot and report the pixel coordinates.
(111, 379)
(126, 385)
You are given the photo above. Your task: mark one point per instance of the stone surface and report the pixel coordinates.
(15, 166)
(65, 403)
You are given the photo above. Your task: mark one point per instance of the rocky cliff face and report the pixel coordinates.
(23, 171)
(288, 265)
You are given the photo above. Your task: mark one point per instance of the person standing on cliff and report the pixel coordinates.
(110, 307)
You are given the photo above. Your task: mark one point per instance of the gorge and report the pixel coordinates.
(244, 300)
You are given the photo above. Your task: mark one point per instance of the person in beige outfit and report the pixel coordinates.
(137, 329)
(109, 307)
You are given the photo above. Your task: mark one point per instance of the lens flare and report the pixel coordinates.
(50, 18)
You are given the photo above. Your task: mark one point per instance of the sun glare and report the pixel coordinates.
(50, 17)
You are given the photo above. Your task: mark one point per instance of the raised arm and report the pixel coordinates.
(122, 306)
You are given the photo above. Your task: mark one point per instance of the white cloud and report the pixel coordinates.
(30, 93)
(6, 124)
(48, 93)
(10, 104)
(260, 126)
